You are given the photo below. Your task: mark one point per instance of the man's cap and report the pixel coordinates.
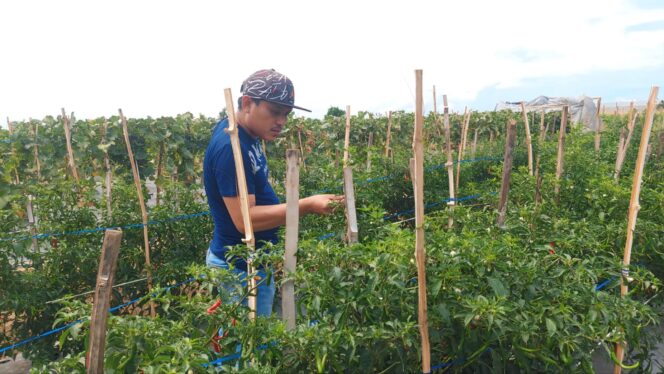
(272, 86)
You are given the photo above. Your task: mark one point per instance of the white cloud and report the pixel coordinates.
(166, 57)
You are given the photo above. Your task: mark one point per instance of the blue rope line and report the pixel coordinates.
(8, 141)
(99, 229)
(430, 205)
(64, 327)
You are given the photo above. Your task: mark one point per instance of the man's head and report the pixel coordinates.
(267, 99)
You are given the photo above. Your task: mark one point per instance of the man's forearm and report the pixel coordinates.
(265, 217)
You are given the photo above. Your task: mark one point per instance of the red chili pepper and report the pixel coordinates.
(552, 251)
(214, 306)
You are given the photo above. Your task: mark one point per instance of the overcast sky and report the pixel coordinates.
(166, 57)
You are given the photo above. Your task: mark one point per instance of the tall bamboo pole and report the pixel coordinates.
(561, 152)
(292, 229)
(634, 204)
(420, 254)
(529, 143)
(35, 147)
(249, 238)
(510, 138)
(389, 130)
(70, 151)
(347, 137)
(599, 126)
(109, 174)
(17, 180)
(625, 140)
(462, 145)
(450, 162)
(141, 202)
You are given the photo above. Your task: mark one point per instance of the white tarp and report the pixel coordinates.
(582, 109)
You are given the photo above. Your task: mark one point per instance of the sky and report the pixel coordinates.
(161, 58)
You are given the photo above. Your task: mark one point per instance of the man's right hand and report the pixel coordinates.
(321, 204)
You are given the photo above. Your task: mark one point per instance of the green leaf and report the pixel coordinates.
(550, 326)
(498, 287)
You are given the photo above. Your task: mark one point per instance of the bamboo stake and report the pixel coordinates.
(620, 159)
(435, 107)
(599, 126)
(462, 145)
(561, 152)
(249, 238)
(141, 202)
(389, 129)
(634, 205)
(507, 172)
(17, 180)
(70, 151)
(417, 167)
(347, 136)
(102, 301)
(35, 148)
(109, 175)
(32, 223)
(529, 144)
(538, 175)
(160, 163)
(302, 155)
(543, 130)
(352, 233)
(369, 145)
(292, 227)
(473, 150)
(449, 163)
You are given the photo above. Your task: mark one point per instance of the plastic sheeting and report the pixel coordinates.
(582, 109)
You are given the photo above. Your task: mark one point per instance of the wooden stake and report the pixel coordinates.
(622, 153)
(17, 180)
(450, 162)
(105, 279)
(634, 204)
(302, 155)
(292, 229)
(369, 145)
(435, 107)
(109, 175)
(70, 151)
(462, 145)
(35, 148)
(417, 165)
(249, 238)
(543, 130)
(599, 126)
(347, 136)
(473, 150)
(32, 224)
(561, 152)
(352, 234)
(141, 202)
(389, 129)
(160, 163)
(507, 172)
(529, 143)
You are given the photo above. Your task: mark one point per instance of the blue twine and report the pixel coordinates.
(430, 205)
(605, 283)
(5, 141)
(64, 327)
(99, 229)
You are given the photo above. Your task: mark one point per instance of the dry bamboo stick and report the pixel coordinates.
(510, 137)
(561, 152)
(347, 137)
(473, 149)
(599, 126)
(70, 151)
(389, 130)
(462, 145)
(109, 175)
(17, 180)
(292, 229)
(369, 145)
(417, 167)
(529, 144)
(302, 155)
(620, 159)
(141, 202)
(634, 205)
(249, 238)
(450, 162)
(35, 148)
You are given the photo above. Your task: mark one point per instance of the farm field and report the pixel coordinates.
(539, 292)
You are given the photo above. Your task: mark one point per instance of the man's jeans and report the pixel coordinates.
(266, 288)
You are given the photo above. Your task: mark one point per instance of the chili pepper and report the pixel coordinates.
(214, 306)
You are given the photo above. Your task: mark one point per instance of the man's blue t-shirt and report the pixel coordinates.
(221, 181)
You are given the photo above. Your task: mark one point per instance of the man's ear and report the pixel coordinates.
(246, 103)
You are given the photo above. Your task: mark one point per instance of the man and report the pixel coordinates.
(267, 99)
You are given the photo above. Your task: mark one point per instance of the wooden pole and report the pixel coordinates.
(141, 202)
(599, 126)
(70, 151)
(32, 223)
(538, 175)
(249, 238)
(35, 148)
(622, 153)
(507, 172)
(420, 255)
(450, 162)
(160, 163)
(435, 107)
(302, 155)
(462, 145)
(352, 234)
(109, 175)
(292, 229)
(543, 130)
(347, 136)
(17, 180)
(389, 129)
(473, 150)
(529, 143)
(561, 152)
(634, 204)
(369, 145)
(105, 279)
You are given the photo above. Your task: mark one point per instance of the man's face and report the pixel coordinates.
(265, 119)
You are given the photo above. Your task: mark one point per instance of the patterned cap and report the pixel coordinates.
(272, 86)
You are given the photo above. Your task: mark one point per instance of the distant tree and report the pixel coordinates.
(659, 106)
(335, 112)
